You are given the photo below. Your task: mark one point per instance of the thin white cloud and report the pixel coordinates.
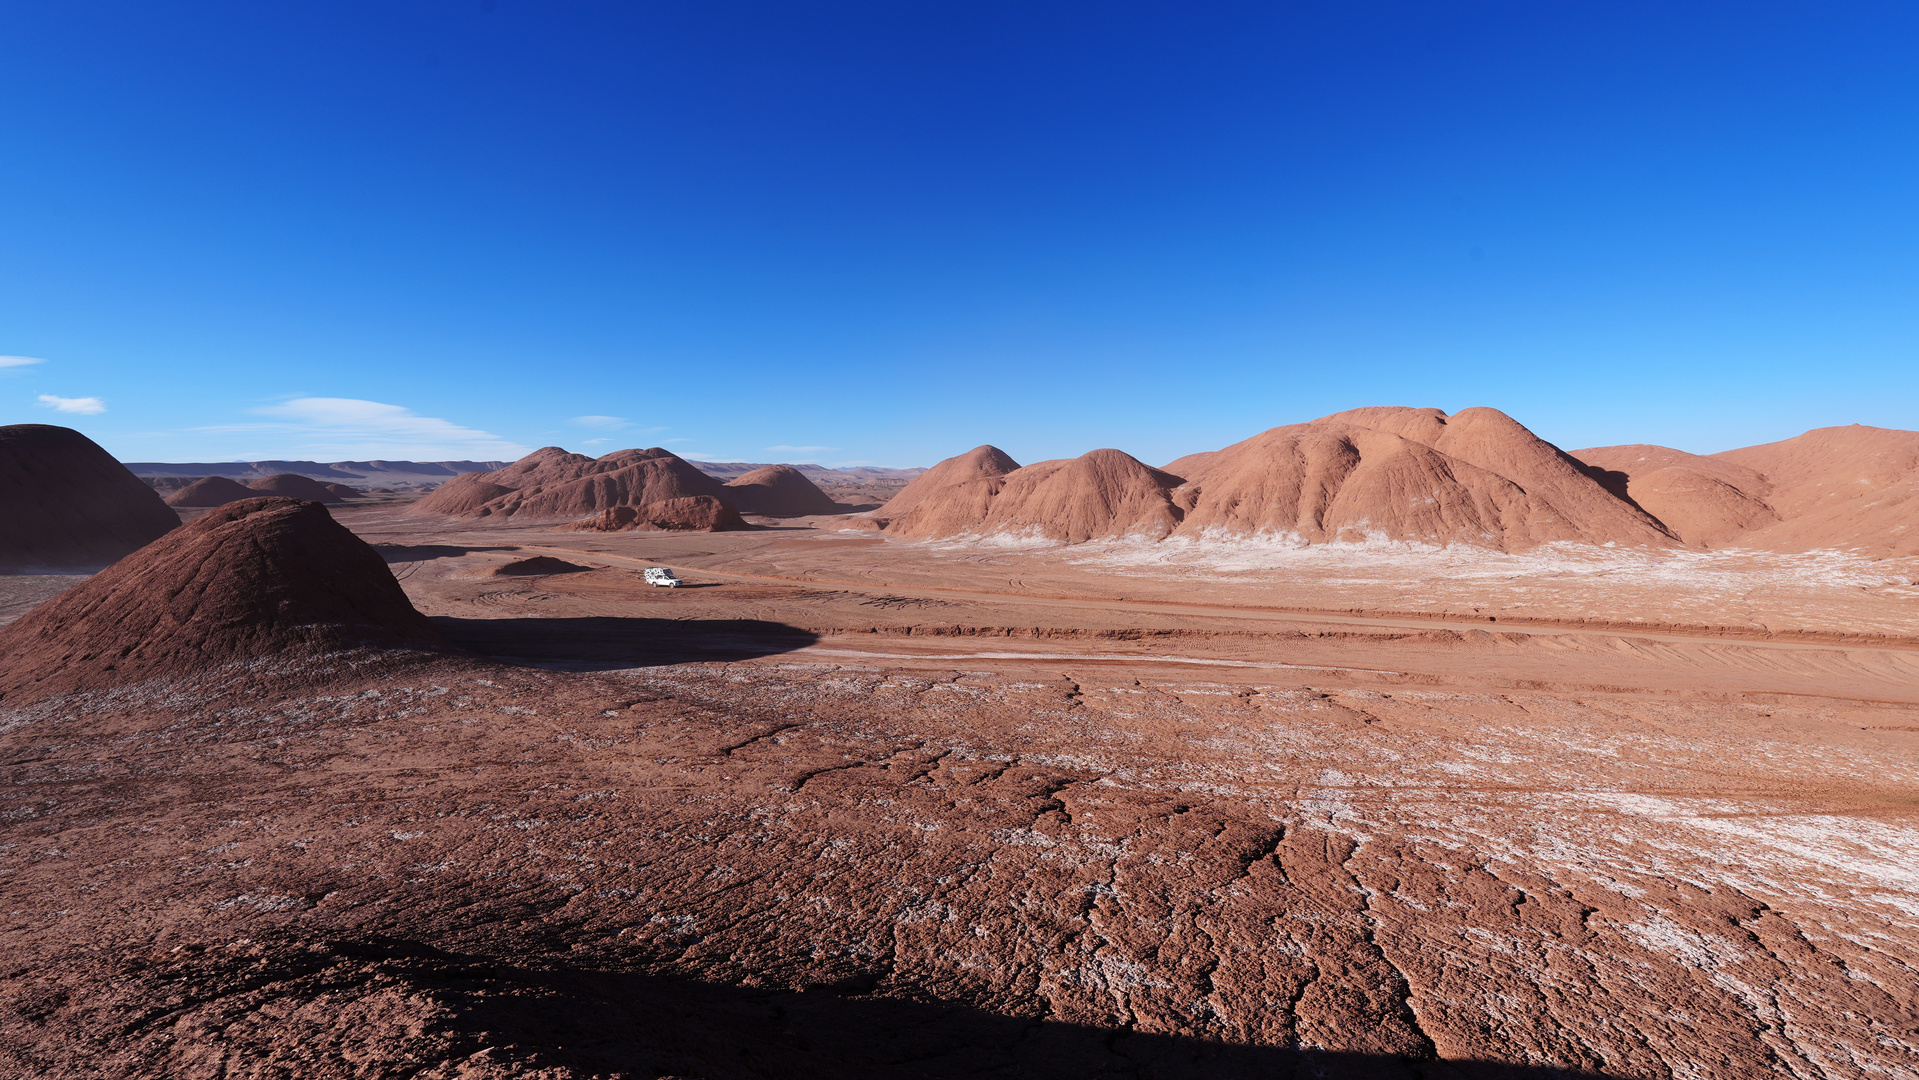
(19, 361)
(804, 449)
(85, 406)
(334, 429)
(600, 423)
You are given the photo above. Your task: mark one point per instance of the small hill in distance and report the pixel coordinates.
(553, 484)
(66, 503)
(779, 491)
(219, 490)
(865, 486)
(210, 491)
(296, 486)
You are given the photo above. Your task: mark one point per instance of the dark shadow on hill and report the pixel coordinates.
(600, 643)
(527, 1017)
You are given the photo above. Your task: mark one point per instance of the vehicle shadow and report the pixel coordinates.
(620, 1023)
(599, 643)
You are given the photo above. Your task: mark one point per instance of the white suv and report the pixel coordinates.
(660, 575)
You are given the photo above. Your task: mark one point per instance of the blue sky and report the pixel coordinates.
(885, 233)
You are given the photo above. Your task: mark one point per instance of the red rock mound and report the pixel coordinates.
(1854, 488)
(1477, 477)
(779, 491)
(342, 490)
(1704, 501)
(294, 486)
(259, 578)
(211, 491)
(949, 499)
(552, 484)
(65, 502)
(1100, 494)
(466, 495)
(695, 513)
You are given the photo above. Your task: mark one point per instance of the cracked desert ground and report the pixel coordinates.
(850, 806)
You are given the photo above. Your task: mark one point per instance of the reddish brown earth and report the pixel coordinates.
(1850, 488)
(552, 485)
(852, 806)
(264, 577)
(1477, 478)
(779, 491)
(211, 491)
(694, 513)
(295, 486)
(950, 498)
(1100, 494)
(65, 502)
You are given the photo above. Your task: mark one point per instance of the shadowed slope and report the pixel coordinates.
(251, 579)
(64, 501)
(1705, 501)
(1853, 488)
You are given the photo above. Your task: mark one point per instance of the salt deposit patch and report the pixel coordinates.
(1378, 559)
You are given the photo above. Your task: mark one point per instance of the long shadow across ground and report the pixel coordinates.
(603, 642)
(527, 1017)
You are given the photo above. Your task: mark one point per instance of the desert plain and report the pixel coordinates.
(853, 801)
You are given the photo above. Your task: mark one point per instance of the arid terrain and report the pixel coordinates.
(847, 805)
(1082, 768)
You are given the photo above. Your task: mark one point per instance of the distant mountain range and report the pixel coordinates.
(419, 475)
(398, 475)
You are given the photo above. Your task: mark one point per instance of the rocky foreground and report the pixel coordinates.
(748, 869)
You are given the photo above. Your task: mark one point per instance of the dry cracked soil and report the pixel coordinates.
(850, 807)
